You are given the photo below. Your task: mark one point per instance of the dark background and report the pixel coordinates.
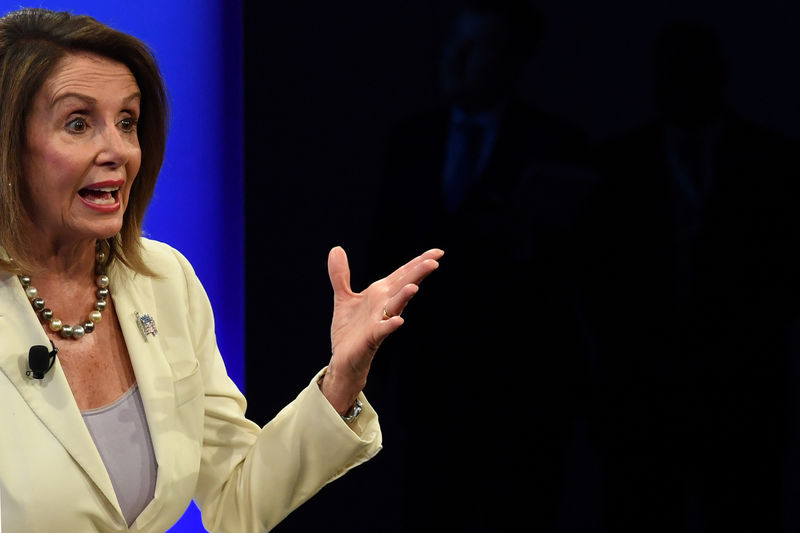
(324, 84)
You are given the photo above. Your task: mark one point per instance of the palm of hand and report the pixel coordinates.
(361, 321)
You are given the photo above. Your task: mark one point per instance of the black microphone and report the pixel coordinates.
(40, 360)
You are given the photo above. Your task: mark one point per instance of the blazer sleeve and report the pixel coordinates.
(251, 478)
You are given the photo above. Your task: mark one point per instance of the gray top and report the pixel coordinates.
(120, 432)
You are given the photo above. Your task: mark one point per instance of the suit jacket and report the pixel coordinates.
(412, 180)
(243, 478)
(691, 308)
(507, 290)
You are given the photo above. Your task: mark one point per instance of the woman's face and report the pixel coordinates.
(82, 151)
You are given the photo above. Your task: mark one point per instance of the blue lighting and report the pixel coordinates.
(198, 206)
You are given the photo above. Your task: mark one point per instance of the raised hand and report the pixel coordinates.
(361, 321)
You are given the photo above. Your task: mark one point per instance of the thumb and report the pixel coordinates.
(339, 270)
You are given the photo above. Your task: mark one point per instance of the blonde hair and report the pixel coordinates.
(32, 42)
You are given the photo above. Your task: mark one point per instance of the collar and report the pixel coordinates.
(489, 118)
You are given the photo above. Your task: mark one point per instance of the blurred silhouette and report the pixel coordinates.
(691, 296)
(498, 183)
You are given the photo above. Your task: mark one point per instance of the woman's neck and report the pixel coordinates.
(73, 260)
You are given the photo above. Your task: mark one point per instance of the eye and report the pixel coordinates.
(128, 125)
(77, 125)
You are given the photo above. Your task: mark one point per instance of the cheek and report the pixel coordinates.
(51, 173)
(132, 171)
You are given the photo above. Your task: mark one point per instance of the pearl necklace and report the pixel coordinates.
(55, 324)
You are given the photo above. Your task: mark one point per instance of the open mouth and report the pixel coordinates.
(100, 195)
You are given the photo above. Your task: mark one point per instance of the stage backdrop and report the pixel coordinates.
(198, 204)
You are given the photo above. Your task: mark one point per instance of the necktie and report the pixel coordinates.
(692, 157)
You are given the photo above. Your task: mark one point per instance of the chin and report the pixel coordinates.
(104, 231)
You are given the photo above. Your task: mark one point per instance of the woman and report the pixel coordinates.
(132, 422)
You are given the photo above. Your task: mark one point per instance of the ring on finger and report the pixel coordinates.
(386, 314)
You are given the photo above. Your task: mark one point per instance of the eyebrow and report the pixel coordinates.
(90, 99)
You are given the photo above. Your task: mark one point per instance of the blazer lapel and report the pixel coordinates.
(133, 293)
(49, 398)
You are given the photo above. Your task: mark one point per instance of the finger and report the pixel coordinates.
(384, 328)
(339, 270)
(397, 303)
(433, 254)
(414, 275)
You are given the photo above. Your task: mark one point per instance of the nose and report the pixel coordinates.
(113, 149)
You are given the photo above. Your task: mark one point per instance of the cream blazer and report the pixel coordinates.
(242, 477)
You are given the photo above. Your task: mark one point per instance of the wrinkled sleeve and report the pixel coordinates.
(251, 478)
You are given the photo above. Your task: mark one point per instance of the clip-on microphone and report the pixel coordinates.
(40, 360)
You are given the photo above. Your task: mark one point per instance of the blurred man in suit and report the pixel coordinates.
(499, 184)
(694, 296)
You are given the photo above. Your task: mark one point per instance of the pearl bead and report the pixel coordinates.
(88, 326)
